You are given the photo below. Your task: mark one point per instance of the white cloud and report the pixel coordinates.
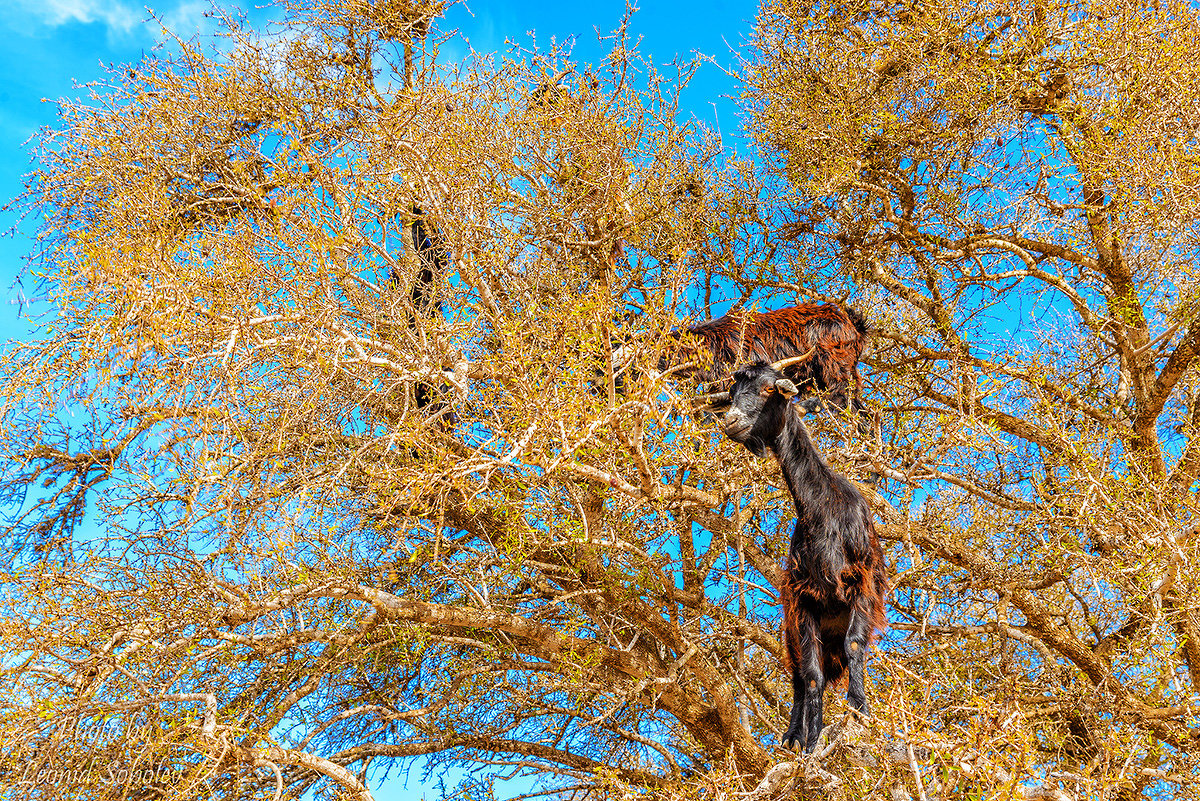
(190, 17)
(116, 15)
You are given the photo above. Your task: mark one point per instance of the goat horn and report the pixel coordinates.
(782, 363)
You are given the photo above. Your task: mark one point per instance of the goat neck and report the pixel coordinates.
(804, 468)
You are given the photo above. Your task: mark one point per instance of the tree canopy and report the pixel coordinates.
(244, 561)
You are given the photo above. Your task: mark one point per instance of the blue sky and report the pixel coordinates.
(51, 46)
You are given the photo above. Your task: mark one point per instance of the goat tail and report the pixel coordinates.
(860, 322)
(864, 330)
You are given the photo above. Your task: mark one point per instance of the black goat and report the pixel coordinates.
(834, 581)
(834, 336)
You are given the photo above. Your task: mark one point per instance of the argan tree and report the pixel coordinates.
(243, 562)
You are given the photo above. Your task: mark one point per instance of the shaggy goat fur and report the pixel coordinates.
(836, 336)
(834, 582)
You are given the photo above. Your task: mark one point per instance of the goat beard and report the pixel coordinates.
(757, 446)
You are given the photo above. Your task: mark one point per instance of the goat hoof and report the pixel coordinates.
(790, 741)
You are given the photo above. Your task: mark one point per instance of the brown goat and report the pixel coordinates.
(835, 336)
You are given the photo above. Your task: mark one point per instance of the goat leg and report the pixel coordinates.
(797, 722)
(812, 679)
(858, 634)
(803, 646)
(814, 698)
(796, 627)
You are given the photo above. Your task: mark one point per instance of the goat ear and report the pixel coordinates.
(786, 388)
